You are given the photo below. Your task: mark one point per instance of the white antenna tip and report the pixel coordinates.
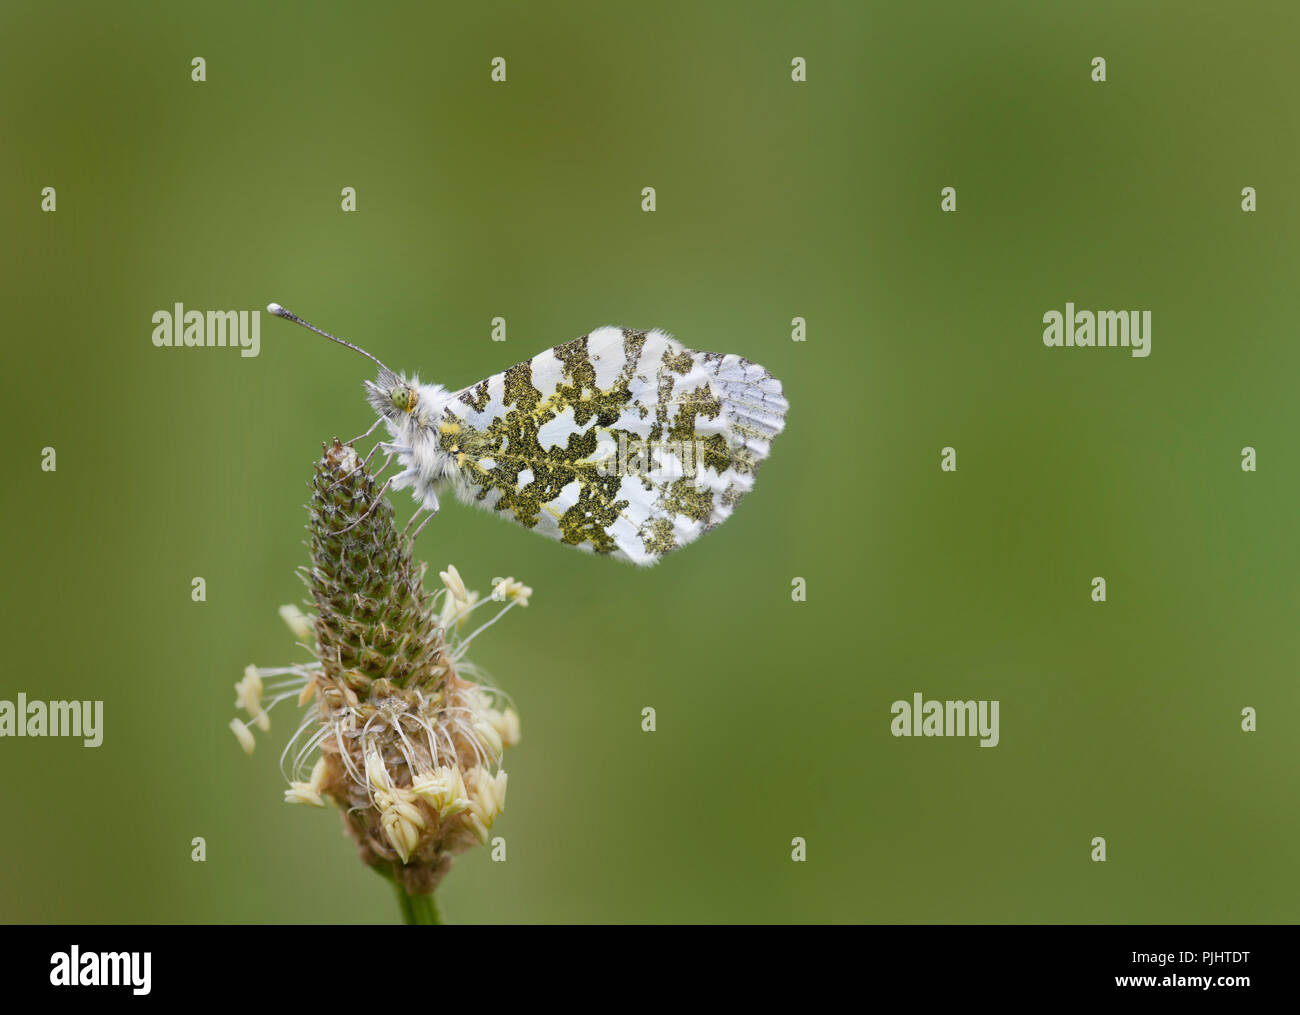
(275, 308)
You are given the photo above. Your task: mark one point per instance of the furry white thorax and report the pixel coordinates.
(417, 442)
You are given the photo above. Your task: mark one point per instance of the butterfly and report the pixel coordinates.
(621, 442)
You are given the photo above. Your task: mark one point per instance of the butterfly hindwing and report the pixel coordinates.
(620, 442)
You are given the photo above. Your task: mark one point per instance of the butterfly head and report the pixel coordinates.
(393, 396)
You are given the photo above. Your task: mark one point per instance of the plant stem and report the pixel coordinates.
(417, 909)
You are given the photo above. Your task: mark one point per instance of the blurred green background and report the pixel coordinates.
(775, 200)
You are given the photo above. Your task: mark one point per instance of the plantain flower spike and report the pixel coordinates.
(401, 733)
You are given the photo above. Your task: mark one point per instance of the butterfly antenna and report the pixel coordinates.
(279, 311)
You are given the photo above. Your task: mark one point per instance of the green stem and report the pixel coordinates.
(417, 909)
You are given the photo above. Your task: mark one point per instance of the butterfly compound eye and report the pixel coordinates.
(404, 398)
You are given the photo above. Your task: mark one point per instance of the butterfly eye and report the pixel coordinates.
(403, 398)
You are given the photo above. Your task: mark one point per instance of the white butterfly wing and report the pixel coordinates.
(619, 442)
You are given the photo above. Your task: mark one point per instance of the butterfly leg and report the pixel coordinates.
(367, 433)
(378, 497)
(429, 503)
(366, 461)
(422, 525)
(388, 460)
(407, 527)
